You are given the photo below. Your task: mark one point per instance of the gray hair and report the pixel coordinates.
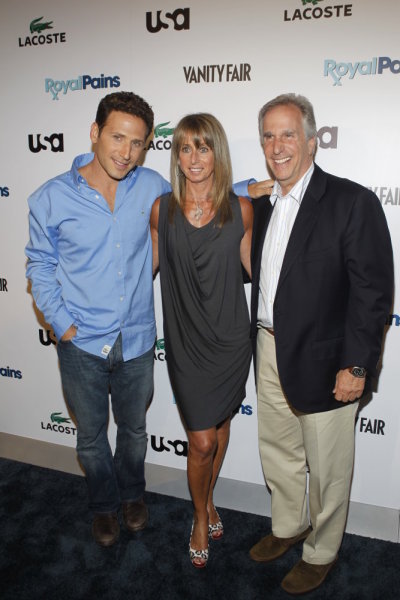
(302, 103)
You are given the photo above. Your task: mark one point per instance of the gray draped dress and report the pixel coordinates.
(206, 320)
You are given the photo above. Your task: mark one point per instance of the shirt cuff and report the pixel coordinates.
(62, 322)
(241, 187)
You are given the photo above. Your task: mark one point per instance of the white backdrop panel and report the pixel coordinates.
(285, 51)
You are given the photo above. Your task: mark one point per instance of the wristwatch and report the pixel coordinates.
(359, 372)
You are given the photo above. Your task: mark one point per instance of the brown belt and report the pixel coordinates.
(270, 331)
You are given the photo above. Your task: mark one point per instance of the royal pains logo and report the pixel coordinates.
(387, 195)
(375, 66)
(217, 73)
(55, 142)
(161, 133)
(180, 18)
(81, 83)
(38, 38)
(12, 373)
(313, 11)
(59, 424)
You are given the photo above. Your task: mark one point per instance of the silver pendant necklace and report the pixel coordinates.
(198, 213)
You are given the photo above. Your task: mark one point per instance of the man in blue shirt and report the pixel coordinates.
(90, 264)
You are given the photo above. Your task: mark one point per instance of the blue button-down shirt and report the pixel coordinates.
(92, 267)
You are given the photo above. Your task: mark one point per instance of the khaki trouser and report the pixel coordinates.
(289, 441)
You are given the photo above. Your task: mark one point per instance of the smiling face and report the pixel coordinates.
(196, 160)
(287, 151)
(119, 144)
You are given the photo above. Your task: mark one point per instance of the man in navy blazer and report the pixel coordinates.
(322, 287)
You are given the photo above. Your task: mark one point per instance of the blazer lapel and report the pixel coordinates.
(305, 221)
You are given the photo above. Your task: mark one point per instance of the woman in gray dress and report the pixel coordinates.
(201, 238)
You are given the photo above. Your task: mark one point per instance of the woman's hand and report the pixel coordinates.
(260, 188)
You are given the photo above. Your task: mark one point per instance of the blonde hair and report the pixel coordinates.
(203, 128)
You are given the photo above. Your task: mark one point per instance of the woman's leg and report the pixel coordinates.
(223, 431)
(202, 449)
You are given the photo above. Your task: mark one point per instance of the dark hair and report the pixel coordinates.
(126, 102)
(203, 128)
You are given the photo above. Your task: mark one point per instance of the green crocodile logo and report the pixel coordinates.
(162, 131)
(57, 418)
(35, 26)
(314, 2)
(160, 344)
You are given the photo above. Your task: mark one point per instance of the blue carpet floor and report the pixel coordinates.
(47, 552)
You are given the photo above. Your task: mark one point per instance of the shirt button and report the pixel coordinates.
(97, 196)
(119, 273)
(121, 298)
(118, 245)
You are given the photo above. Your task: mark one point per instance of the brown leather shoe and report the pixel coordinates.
(305, 577)
(105, 528)
(271, 547)
(135, 515)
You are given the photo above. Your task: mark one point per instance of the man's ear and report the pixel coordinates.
(94, 133)
(312, 146)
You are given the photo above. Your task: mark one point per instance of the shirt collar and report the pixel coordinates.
(80, 161)
(298, 190)
(85, 159)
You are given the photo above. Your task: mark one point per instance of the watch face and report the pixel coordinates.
(358, 372)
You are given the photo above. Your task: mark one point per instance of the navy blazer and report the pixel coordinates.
(335, 288)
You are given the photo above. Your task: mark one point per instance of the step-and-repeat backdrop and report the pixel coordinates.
(227, 57)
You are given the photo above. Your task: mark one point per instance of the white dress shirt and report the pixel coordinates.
(275, 244)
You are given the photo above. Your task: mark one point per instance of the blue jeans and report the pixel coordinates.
(87, 380)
